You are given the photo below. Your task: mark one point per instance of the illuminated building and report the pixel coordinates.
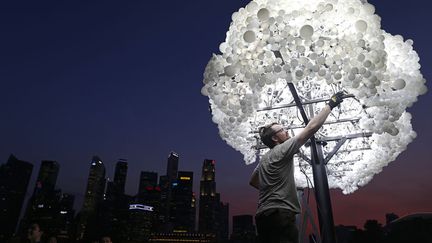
(213, 215)
(166, 183)
(183, 212)
(65, 216)
(12, 193)
(207, 198)
(141, 220)
(93, 195)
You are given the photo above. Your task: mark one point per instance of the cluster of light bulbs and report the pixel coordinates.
(322, 46)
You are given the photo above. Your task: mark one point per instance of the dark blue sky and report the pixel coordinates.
(122, 80)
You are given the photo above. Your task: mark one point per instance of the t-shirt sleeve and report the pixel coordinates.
(285, 149)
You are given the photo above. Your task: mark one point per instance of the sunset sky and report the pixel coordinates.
(122, 80)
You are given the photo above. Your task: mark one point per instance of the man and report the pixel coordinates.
(106, 239)
(35, 233)
(274, 178)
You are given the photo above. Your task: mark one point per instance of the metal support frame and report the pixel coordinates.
(318, 162)
(322, 192)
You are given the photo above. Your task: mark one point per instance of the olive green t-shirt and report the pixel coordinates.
(277, 187)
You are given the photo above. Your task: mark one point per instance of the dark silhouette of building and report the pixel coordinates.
(183, 212)
(213, 215)
(93, 197)
(166, 192)
(112, 212)
(243, 229)
(147, 179)
(66, 217)
(14, 179)
(144, 213)
(163, 206)
(116, 188)
(222, 213)
(345, 234)
(142, 219)
(411, 228)
(44, 205)
(207, 200)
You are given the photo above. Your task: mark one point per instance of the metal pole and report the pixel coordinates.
(322, 192)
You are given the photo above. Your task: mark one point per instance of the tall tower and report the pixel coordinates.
(66, 217)
(44, 203)
(147, 179)
(95, 185)
(120, 175)
(213, 214)
(183, 212)
(208, 201)
(93, 194)
(47, 178)
(14, 179)
(172, 167)
(166, 190)
(116, 188)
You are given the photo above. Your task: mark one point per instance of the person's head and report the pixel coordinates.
(273, 134)
(106, 239)
(35, 232)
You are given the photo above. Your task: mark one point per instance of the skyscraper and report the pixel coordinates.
(43, 205)
(147, 179)
(183, 210)
(207, 201)
(93, 195)
(95, 185)
(66, 216)
(14, 179)
(222, 221)
(47, 178)
(172, 168)
(213, 214)
(166, 191)
(116, 188)
(120, 175)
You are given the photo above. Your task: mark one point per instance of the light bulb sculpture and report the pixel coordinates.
(276, 50)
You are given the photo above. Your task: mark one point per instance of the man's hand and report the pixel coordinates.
(336, 99)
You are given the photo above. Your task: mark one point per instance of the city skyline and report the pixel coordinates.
(124, 80)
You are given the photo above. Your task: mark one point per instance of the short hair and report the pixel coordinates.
(266, 133)
(40, 225)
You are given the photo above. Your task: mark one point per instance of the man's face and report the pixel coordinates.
(106, 240)
(34, 232)
(280, 134)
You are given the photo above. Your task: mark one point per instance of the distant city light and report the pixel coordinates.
(40, 206)
(140, 207)
(174, 154)
(186, 178)
(63, 212)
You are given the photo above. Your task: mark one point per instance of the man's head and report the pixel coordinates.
(106, 239)
(273, 134)
(34, 233)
